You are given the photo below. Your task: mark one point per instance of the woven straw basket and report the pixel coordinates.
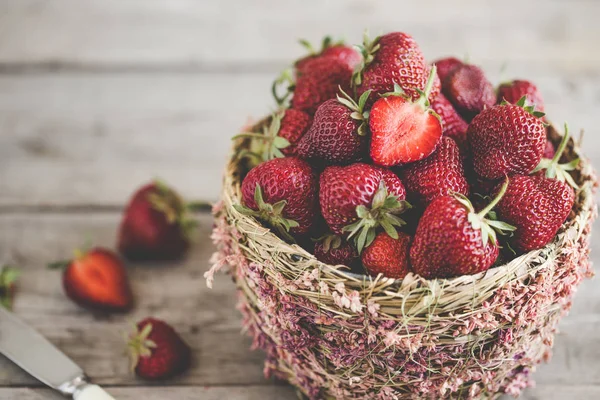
(338, 335)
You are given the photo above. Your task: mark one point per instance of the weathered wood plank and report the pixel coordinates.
(95, 137)
(206, 319)
(213, 34)
(160, 393)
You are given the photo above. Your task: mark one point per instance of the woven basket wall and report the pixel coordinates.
(338, 335)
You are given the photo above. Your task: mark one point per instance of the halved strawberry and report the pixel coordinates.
(403, 131)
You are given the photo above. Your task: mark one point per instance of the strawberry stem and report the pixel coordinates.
(495, 201)
(554, 170)
(423, 99)
(561, 146)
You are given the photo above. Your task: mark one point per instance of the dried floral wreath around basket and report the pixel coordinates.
(338, 335)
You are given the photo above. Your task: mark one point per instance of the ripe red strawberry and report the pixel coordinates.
(468, 90)
(156, 224)
(359, 198)
(453, 239)
(320, 80)
(96, 279)
(8, 280)
(157, 351)
(539, 204)
(394, 58)
(513, 91)
(279, 138)
(549, 150)
(334, 250)
(329, 49)
(445, 66)
(337, 134)
(452, 123)
(282, 193)
(442, 173)
(403, 131)
(388, 256)
(506, 139)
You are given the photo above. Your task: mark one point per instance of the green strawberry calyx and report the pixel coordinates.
(286, 82)
(358, 109)
(326, 43)
(530, 108)
(8, 279)
(272, 214)
(330, 241)
(480, 221)
(383, 213)
(367, 49)
(266, 145)
(138, 344)
(176, 211)
(555, 170)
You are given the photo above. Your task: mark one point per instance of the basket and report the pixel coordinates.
(338, 335)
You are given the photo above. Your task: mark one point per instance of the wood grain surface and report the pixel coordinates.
(99, 96)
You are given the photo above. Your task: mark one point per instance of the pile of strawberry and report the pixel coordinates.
(388, 164)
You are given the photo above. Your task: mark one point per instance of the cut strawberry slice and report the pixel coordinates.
(403, 131)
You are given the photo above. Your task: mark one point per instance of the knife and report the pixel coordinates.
(36, 355)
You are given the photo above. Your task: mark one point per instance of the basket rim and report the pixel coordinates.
(584, 204)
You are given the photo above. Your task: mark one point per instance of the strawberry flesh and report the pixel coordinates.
(402, 132)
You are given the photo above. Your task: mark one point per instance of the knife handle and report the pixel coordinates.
(92, 392)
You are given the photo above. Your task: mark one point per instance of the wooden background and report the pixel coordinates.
(99, 96)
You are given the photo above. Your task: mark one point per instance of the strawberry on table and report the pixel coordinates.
(359, 198)
(157, 351)
(394, 58)
(514, 90)
(8, 280)
(96, 279)
(156, 224)
(334, 250)
(338, 132)
(442, 173)
(506, 139)
(403, 130)
(539, 204)
(453, 239)
(469, 90)
(388, 256)
(281, 193)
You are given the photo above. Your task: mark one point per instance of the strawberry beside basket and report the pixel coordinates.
(340, 335)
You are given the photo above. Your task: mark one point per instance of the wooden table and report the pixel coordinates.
(99, 96)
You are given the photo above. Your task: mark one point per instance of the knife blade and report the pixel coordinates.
(36, 355)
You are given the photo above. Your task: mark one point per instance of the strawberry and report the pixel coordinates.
(513, 91)
(157, 351)
(279, 138)
(96, 279)
(506, 139)
(539, 204)
(337, 134)
(387, 256)
(452, 123)
(394, 58)
(442, 173)
(156, 224)
(549, 150)
(453, 239)
(445, 66)
(319, 80)
(329, 49)
(468, 90)
(403, 131)
(8, 280)
(282, 193)
(359, 198)
(334, 250)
